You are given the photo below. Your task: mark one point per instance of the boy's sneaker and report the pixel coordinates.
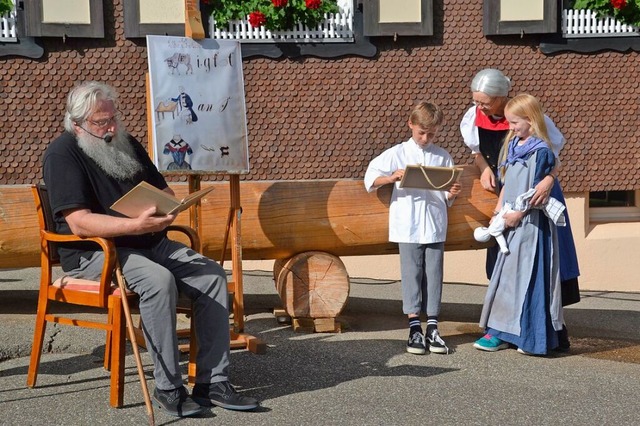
(490, 343)
(416, 344)
(436, 344)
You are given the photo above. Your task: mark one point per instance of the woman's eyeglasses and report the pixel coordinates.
(484, 105)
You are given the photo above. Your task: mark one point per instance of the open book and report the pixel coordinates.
(144, 196)
(430, 177)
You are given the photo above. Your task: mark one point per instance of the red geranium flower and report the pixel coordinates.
(618, 4)
(257, 19)
(313, 4)
(279, 3)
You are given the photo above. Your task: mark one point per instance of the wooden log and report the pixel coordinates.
(279, 219)
(313, 284)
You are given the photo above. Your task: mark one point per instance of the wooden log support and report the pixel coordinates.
(313, 284)
(279, 219)
(316, 325)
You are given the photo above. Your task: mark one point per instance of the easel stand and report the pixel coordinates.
(239, 339)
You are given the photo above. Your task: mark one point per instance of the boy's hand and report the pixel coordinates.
(396, 176)
(455, 190)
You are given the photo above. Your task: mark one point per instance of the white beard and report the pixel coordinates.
(116, 158)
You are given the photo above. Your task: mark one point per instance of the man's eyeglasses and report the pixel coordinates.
(107, 121)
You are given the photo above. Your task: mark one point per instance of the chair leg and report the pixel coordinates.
(107, 346)
(116, 354)
(38, 340)
(193, 352)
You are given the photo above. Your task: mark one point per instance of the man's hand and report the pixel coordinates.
(149, 222)
(85, 223)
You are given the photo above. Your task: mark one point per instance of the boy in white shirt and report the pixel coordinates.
(418, 223)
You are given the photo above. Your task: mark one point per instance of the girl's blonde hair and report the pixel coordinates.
(529, 108)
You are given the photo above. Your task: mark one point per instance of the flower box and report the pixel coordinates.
(337, 27)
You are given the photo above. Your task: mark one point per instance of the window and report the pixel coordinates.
(9, 27)
(335, 28)
(614, 206)
(12, 38)
(584, 23)
(520, 17)
(64, 18)
(395, 17)
(143, 17)
(582, 32)
(340, 36)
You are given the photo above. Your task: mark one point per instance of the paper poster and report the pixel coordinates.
(199, 121)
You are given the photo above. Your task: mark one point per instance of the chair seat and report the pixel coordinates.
(88, 286)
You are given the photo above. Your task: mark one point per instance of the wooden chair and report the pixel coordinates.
(96, 294)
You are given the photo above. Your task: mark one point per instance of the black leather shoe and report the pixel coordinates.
(563, 340)
(176, 402)
(223, 395)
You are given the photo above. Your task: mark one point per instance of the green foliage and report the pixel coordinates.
(625, 11)
(6, 6)
(277, 18)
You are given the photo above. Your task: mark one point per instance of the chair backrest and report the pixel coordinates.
(45, 217)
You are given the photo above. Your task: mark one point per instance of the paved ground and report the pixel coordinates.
(361, 376)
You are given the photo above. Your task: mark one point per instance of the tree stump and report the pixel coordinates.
(312, 284)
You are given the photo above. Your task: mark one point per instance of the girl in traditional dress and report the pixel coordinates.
(523, 304)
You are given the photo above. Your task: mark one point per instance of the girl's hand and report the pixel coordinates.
(512, 219)
(488, 179)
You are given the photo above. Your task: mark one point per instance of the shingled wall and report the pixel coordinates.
(312, 118)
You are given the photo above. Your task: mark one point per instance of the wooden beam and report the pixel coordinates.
(279, 219)
(193, 27)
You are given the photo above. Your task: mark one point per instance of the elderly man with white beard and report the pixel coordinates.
(86, 169)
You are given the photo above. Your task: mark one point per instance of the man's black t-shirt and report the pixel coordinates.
(75, 181)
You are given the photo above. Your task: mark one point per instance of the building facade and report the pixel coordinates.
(322, 110)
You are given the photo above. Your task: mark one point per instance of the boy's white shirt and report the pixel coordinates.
(415, 215)
(469, 132)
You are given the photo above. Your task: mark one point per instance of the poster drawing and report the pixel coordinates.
(199, 119)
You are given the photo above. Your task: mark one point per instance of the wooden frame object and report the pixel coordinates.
(493, 25)
(37, 27)
(377, 25)
(429, 177)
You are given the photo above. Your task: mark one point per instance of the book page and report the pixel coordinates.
(142, 197)
(191, 199)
